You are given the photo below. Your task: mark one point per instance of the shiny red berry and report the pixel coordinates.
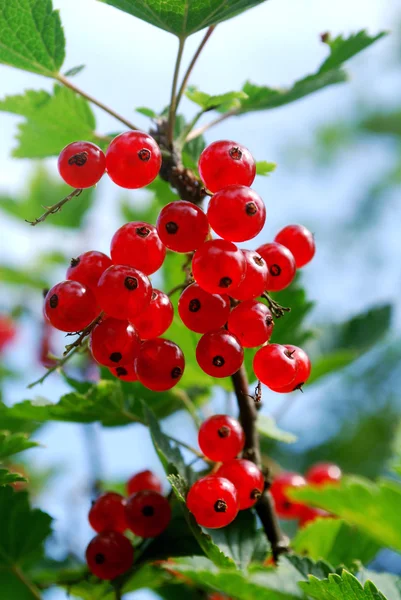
(275, 366)
(123, 292)
(281, 265)
(324, 472)
(125, 373)
(88, 268)
(109, 555)
(70, 306)
(236, 213)
(201, 311)
(114, 342)
(225, 163)
(299, 241)
(7, 331)
(218, 266)
(138, 245)
(213, 501)
(221, 438)
(182, 226)
(108, 513)
(247, 479)
(160, 364)
(252, 323)
(303, 370)
(309, 514)
(133, 159)
(219, 353)
(145, 480)
(148, 513)
(156, 318)
(81, 164)
(286, 507)
(255, 280)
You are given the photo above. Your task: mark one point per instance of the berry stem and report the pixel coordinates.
(84, 333)
(190, 448)
(60, 363)
(55, 208)
(197, 132)
(264, 507)
(173, 101)
(276, 308)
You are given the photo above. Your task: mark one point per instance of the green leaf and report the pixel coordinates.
(342, 49)
(12, 443)
(31, 36)
(385, 123)
(147, 112)
(329, 539)
(6, 478)
(74, 71)
(184, 17)
(267, 428)
(169, 456)
(389, 585)
(344, 587)
(21, 278)
(306, 566)
(229, 100)
(265, 168)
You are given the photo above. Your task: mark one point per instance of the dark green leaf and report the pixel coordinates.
(344, 587)
(169, 456)
(386, 123)
(305, 566)
(74, 71)
(12, 443)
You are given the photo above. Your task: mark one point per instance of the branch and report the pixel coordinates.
(173, 101)
(276, 309)
(55, 208)
(60, 363)
(201, 130)
(83, 334)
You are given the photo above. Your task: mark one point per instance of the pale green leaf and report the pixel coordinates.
(267, 428)
(342, 49)
(265, 168)
(147, 112)
(229, 100)
(12, 443)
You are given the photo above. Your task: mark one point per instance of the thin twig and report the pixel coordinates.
(28, 584)
(190, 407)
(51, 210)
(83, 334)
(173, 101)
(188, 447)
(201, 130)
(177, 288)
(60, 363)
(111, 112)
(276, 308)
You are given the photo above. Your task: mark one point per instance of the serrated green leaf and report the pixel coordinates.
(267, 428)
(342, 49)
(306, 566)
(6, 477)
(184, 17)
(344, 587)
(388, 584)
(264, 168)
(169, 456)
(31, 36)
(12, 443)
(229, 100)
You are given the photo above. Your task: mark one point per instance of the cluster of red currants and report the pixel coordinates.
(221, 302)
(319, 474)
(146, 513)
(8, 331)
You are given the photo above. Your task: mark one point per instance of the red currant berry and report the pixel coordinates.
(145, 480)
(219, 353)
(148, 513)
(201, 311)
(299, 241)
(281, 265)
(160, 364)
(88, 268)
(255, 280)
(225, 163)
(236, 213)
(221, 438)
(303, 370)
(138, 245)
(252, 323)
(70, 306)
(213, 501)
(81, 164)
(133, 160)
(156, 318)
(123, 292)
(247, 479)
(108, 513)
(309, 514)
(109, 555)
(182, 226)
(323, 473)
(7, 331)
(285, 507)
(218, 266)
(275, 366)
(114, 342)
(125, 373)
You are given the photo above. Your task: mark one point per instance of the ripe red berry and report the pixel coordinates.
(221, 438)
(225, 163)
(114, 342)
(160, 364)
(123, 292)
(201, 311)
(275, 366)
(133, 159)
(108, 513)
(255, 280)
(303, 370)
(148, 513)
(109, 555)
(281, 265)
(252, 323)
(138, 245)
(323, 473)
(145, 480)
(70, 306)
(309, 514)
(81, 164)
(213, 501)
(125, 373)
(299, 241)
(219, 353)
(218, 266)
(156, 318)
(7, 331)
(88, 268)
(182, 226)
(285, 507)
(247, 479)
(236, 213)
